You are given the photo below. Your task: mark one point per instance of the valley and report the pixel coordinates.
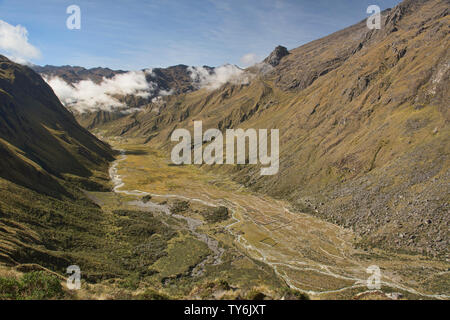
(356, 183)
(310, 255)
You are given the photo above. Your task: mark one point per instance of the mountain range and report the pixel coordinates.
(161, 81)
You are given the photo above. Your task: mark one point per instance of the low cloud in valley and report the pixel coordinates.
(214, 78)
(87, 95)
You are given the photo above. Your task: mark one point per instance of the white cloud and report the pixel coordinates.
(249, 59)
(150, 72)
(88, 96)
(214, 79)
(263, 67)
(14, 43)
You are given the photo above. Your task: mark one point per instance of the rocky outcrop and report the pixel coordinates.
(275, 57)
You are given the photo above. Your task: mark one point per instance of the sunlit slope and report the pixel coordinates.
(363, 118)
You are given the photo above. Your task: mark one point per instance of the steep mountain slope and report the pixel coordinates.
(45, 157)
(38, 132)
(364, 127)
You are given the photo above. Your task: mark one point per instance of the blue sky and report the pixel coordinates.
(132, 34)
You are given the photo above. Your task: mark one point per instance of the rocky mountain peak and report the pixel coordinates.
(275, 57)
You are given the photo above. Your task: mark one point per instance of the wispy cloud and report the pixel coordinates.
(215, 78)
(249, 59)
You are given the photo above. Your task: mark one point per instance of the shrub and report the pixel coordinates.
(150, 294)
(214, 215)
(291, 294)
(9, 287)
(255, 295)
(36, 285)
(180, 206)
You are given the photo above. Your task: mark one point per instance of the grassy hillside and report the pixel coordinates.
(364, 127)
(45, 158)
(39, 137)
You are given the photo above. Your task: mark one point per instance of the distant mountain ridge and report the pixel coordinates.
(174, 78)
(73, 74)
(162, 81)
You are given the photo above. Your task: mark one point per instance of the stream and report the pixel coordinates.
(192, 223)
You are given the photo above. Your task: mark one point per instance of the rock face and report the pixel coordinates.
(275, 57)
(176, 79)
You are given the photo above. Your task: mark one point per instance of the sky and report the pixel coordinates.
(139, 34)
